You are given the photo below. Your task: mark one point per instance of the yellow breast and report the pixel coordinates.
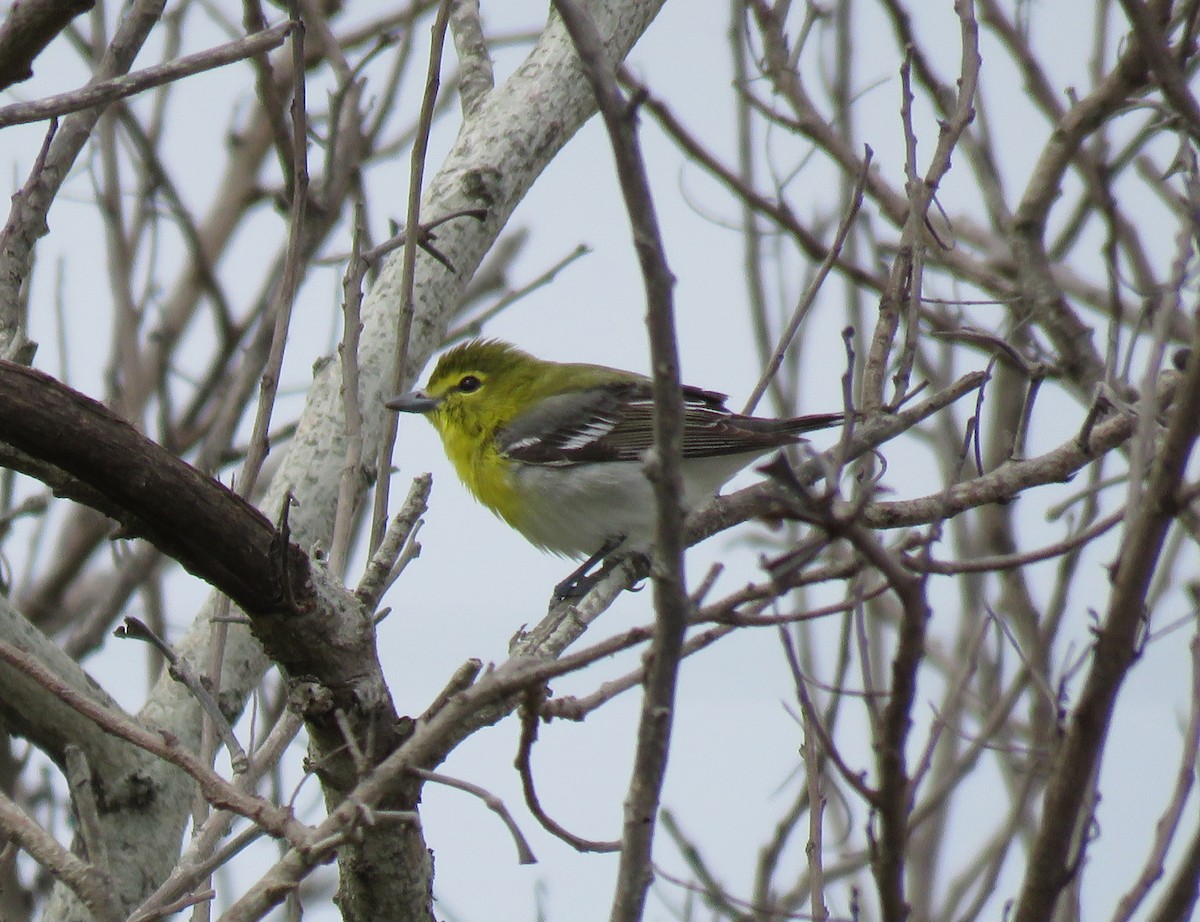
(486, 473)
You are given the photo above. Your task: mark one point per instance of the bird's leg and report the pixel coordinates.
(580, 581)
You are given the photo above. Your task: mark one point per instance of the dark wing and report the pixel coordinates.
(616, 423)
(606, 423)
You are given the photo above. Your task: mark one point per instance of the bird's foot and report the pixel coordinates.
(580, 581)
(575, 586)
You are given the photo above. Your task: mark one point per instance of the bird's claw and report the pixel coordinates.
(580, 581)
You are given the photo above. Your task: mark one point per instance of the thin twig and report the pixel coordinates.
(82, 878)
(495, 804)
(384, 566)
(279, 314)
(529, 713)
(106, 92)
(349, 490)
(810, 293)
(136, 629)
(216, 789)
(416, 177)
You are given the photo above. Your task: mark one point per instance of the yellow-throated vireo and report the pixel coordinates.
(556, 449)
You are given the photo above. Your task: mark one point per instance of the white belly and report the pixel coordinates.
(575, 509)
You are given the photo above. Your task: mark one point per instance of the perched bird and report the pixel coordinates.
(556, 450)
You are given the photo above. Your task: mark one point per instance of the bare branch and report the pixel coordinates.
(107, 92)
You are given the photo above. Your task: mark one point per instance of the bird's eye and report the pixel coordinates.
(469, 384)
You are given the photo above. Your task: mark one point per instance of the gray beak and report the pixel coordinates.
(413, 402)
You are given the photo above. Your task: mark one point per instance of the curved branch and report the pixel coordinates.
(214, 533)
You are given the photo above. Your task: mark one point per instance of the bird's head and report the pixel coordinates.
(475, 389)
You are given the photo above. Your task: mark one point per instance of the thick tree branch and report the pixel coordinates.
(31, 26)
(212, 531)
